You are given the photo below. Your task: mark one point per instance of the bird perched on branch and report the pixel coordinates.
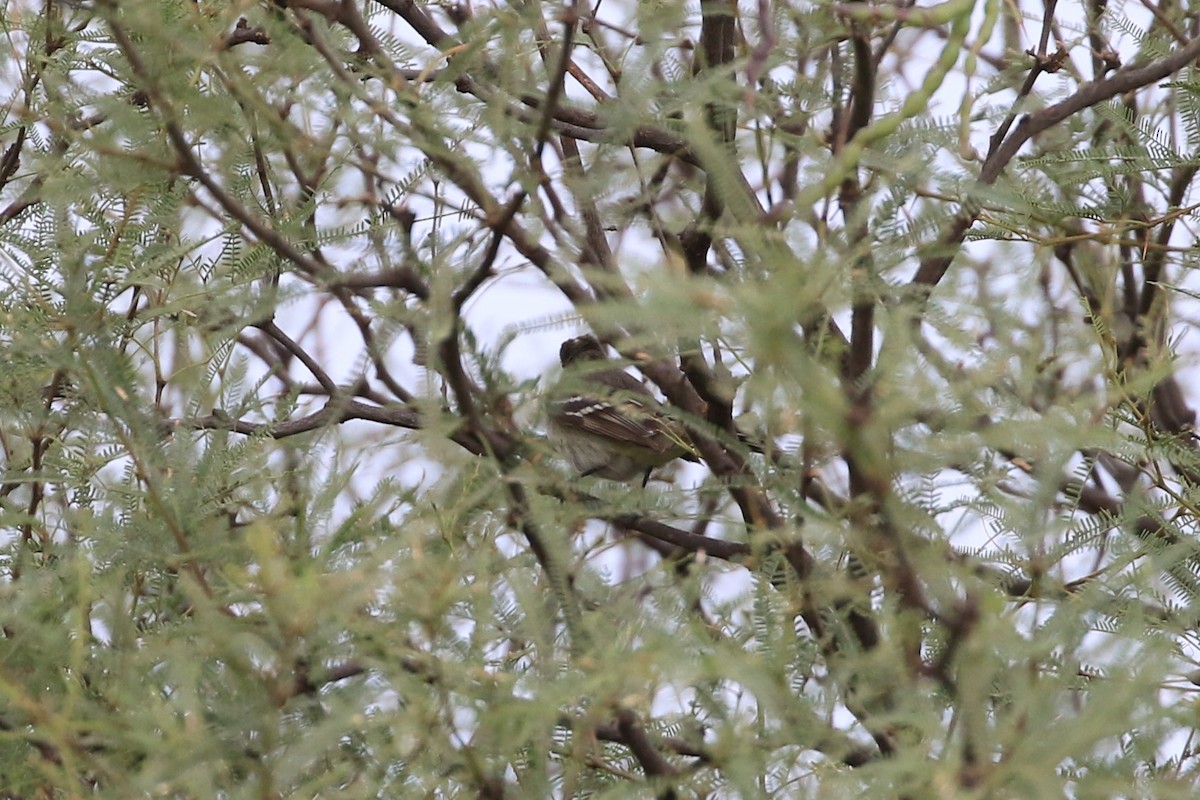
(606, 422)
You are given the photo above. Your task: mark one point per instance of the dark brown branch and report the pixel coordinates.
(653, 763)
(12, 158)
(272, 330)
(394, 278)
(1123, 80)
(1041, 59)
(685, 540)
(933, 266)
(190, 165)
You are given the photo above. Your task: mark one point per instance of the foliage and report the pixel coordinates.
(281, 288)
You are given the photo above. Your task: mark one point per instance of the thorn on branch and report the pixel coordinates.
(1049, 63)
(244, 34)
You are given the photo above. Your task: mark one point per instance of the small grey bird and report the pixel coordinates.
(606, 422)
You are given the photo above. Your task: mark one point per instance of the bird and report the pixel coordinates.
(605, 422)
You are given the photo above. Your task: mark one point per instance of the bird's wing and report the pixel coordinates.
(615, 405)
(623, 420)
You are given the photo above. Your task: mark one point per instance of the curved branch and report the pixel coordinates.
(934, 266)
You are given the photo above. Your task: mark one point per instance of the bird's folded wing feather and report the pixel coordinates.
(625, 421)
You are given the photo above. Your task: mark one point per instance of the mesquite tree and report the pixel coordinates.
(283, 284)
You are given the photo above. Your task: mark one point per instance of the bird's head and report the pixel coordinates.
(581, 348)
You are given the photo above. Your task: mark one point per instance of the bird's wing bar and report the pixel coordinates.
(626, 421)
